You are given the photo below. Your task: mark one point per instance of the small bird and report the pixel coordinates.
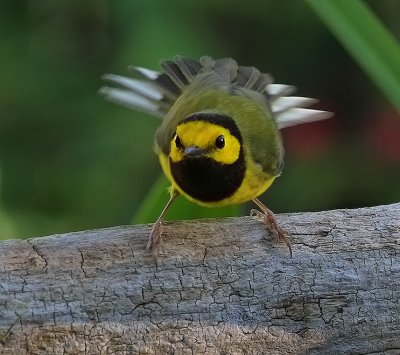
(219, 142)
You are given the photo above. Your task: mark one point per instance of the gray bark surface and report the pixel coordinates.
(222, 287)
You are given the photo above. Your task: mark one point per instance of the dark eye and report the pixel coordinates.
(178, 142)
(220, 142)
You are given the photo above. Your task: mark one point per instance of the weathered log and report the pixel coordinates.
(222, 287)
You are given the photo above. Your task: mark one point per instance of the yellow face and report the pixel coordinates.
(206, 139)
(207, 162)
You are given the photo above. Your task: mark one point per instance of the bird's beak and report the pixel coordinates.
(193, 151)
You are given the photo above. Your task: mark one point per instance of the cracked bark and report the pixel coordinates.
(223, 287)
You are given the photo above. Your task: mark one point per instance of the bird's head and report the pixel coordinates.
(206, 136)
(206, 157)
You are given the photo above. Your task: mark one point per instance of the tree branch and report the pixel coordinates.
(223, 286)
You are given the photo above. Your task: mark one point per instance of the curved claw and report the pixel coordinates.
(268, 218)
(155, 239)
(257, 215)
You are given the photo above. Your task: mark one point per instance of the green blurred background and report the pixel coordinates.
(71, 161)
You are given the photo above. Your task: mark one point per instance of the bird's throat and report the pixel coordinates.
(206, 180)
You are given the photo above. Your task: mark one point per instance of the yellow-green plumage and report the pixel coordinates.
(217, 91)
(219, 140)
(254, 119)
(262, 146)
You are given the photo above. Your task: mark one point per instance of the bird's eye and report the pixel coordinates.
(220, 142)
(178, 142)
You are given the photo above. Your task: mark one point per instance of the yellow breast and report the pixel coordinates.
(255, 182)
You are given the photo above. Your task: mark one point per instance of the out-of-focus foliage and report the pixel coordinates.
(374, 48)
(72, 161)
(6, 224)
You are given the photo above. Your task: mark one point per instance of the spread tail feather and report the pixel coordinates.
(155, 92)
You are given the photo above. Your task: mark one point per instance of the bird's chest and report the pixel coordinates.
(206, 180)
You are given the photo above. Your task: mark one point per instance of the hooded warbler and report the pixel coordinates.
(218, 142)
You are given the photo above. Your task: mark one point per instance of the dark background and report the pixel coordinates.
(71, 161)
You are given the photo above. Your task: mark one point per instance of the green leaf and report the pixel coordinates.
(367, 40)
(182, 208)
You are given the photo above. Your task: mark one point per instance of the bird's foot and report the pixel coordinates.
(154, 243)
(268, 218)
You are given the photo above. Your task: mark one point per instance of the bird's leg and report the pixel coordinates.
(268, 218)
(154, 242)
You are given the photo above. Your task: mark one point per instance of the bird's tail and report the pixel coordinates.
(155, 92)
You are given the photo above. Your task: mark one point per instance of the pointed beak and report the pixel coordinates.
(193, 151)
